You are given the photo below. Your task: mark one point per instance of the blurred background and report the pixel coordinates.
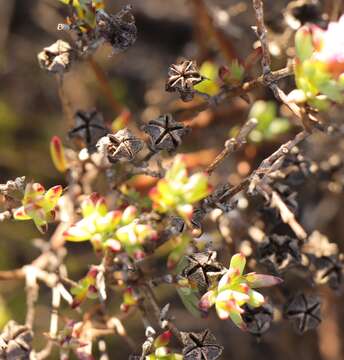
(31, 113)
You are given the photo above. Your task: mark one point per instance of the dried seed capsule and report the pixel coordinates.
(304, 311)
(177, 225)
(202, 270)
(318, 245)
(122, 146)
(301, 12)
(89, 126)
(182, 77)
(56, 58)
(289, 197)
(165, 133)
(119, 30)
(279, 251)
(258, 320)
(200, 346)
(15, 341)
(329, 270)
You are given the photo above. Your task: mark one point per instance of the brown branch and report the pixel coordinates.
(262, 35)
(283, 150)
(39, 263)
(233, 144)
(150, 298)
(31, 290)
(15, 274)
(268, 78)
(222, 195)
(66, 106)
(228, 92)
(55, 304)
(286, 215)
(105, 86)
(117, 326)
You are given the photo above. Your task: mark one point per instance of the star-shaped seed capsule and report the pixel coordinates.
(182, 77)
(123, 146)
(200, 346)
(304, 311)
(89, 126)
(165, 133)
(202, 270)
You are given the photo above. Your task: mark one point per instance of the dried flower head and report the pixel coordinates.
(182, 77)
(165, 133)
(289, 197)
(234, 290)
(56, 58)
(304, 311)
(118, 30)
(329, 270)
(200, 346)
(202, 270)
(258, 320)
(318, 245)
(279, 251)
(122, 146)
(13, 186)
(300, 12)
(89, 127)
(15, 341)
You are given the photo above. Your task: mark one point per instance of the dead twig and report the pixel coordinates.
(222, 195)
(233, 144)
(286, 215)
(105, 86)
(228, 92)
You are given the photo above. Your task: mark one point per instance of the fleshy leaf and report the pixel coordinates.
(57, 154)
(304, 43)
(237, 319)
(256, 299)
(32, 192)
(238, 262)
(207, 300)
(20, 214)
(76, 233)
(259, 280)
(129, 214)
(52, 196)
(163, 339)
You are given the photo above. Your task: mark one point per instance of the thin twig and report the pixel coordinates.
(116, 324)
(286, 215)
(223, 194)
(233, 144)
(66, 106)
(262, 35)
(150, 298)
(31, 289)
(229, 92)
(105, 86)
(268, 77)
